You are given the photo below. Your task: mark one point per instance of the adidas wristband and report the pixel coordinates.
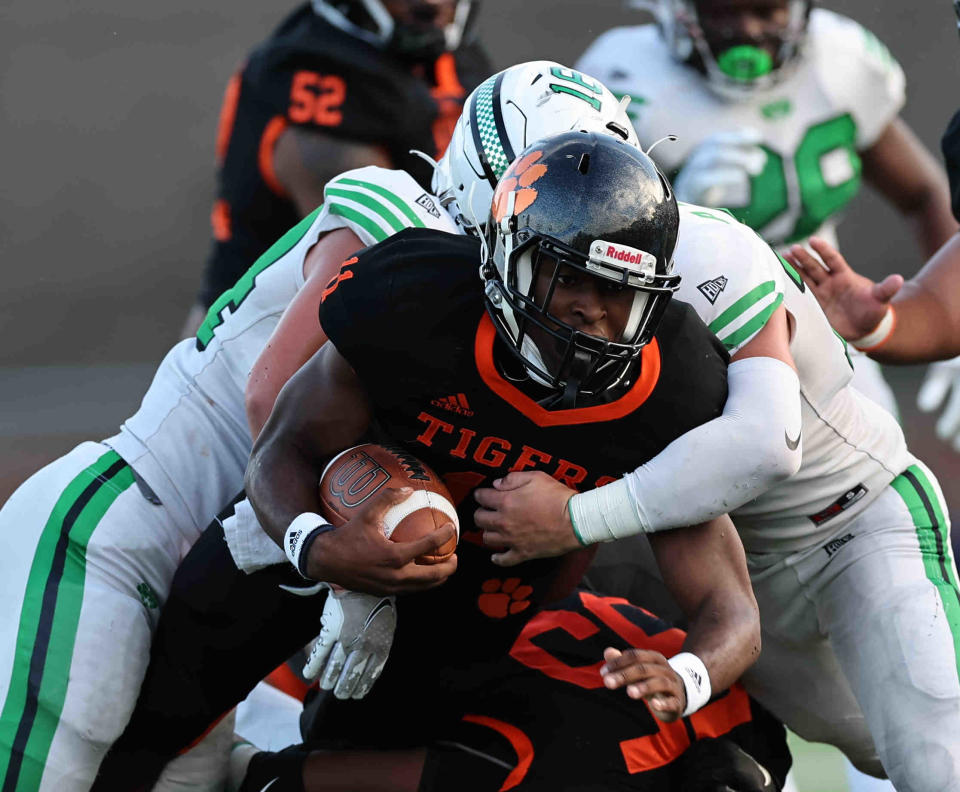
(301, 533)
(696, 680)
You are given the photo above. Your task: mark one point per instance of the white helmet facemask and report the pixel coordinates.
(739, 71)
(380, 25)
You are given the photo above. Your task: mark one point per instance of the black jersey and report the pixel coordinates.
(541, 719)
(951, 157)
(408, 315)
(310, 73)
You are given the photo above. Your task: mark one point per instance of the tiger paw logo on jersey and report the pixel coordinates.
(502, 598)
(521, 174)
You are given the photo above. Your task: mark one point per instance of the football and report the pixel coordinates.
(355, 475)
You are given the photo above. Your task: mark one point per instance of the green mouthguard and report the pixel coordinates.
(745, 63)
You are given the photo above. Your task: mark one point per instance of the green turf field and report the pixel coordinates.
(817, 767)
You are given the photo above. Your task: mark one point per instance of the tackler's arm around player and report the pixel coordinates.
(298, 335)
(322, 410)
(696, 478)
(705, 570)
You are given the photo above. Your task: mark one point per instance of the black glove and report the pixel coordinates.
(720, 765)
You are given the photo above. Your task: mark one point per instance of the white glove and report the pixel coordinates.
(353, 644)
(718, 171)
(943, 378)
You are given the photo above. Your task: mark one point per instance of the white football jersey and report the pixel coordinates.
(190, 440)
(843, 92)
(852, 448)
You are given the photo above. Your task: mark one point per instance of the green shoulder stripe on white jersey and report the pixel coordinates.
(404, 206)
(366, 223)
(369, 203)
(747, 315)
(747, 330)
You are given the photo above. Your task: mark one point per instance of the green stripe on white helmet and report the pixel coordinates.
(508, 112)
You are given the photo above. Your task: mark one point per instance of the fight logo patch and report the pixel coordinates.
(834, 545)
(711, 289)
(427, 203)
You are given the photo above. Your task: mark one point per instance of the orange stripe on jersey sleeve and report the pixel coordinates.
(283, 679)
(520, 742)
(228, 115)
(220, 221)
(626, 404)
(268, 142)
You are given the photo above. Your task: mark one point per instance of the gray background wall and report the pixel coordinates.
(108, 113)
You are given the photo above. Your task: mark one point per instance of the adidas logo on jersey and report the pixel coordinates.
(457, 404)
(427, 203)
(711, 289)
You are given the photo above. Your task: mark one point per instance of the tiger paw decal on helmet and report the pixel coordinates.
(521, 174)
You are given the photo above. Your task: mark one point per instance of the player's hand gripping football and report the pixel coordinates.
(719, 170)
(526, 514)
(353, 646)
(358, 557)
(646, 675)
(854, 304)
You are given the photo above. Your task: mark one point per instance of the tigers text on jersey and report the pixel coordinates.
(412, 324)
(842, 94)
(852, 448)
(312, 75)
(190, 439)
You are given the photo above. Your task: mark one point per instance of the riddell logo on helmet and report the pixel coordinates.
(638, 261)
(629, 255)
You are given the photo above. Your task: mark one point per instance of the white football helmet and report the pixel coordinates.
(507, 113)
(733, 67)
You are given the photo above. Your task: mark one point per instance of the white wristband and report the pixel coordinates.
(605, 513)
(301, 528)
(696, 680)
(879, 334)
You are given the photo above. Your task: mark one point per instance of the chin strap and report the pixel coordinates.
(579, 367)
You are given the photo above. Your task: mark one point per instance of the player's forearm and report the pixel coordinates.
(930, 219)
(281, 483)
(927, 327)
(725, 634)
(711, 469)
(705, 570)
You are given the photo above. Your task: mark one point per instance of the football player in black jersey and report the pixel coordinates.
(572, 360)
(338, 85)
(539, 718)
(411, 320)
